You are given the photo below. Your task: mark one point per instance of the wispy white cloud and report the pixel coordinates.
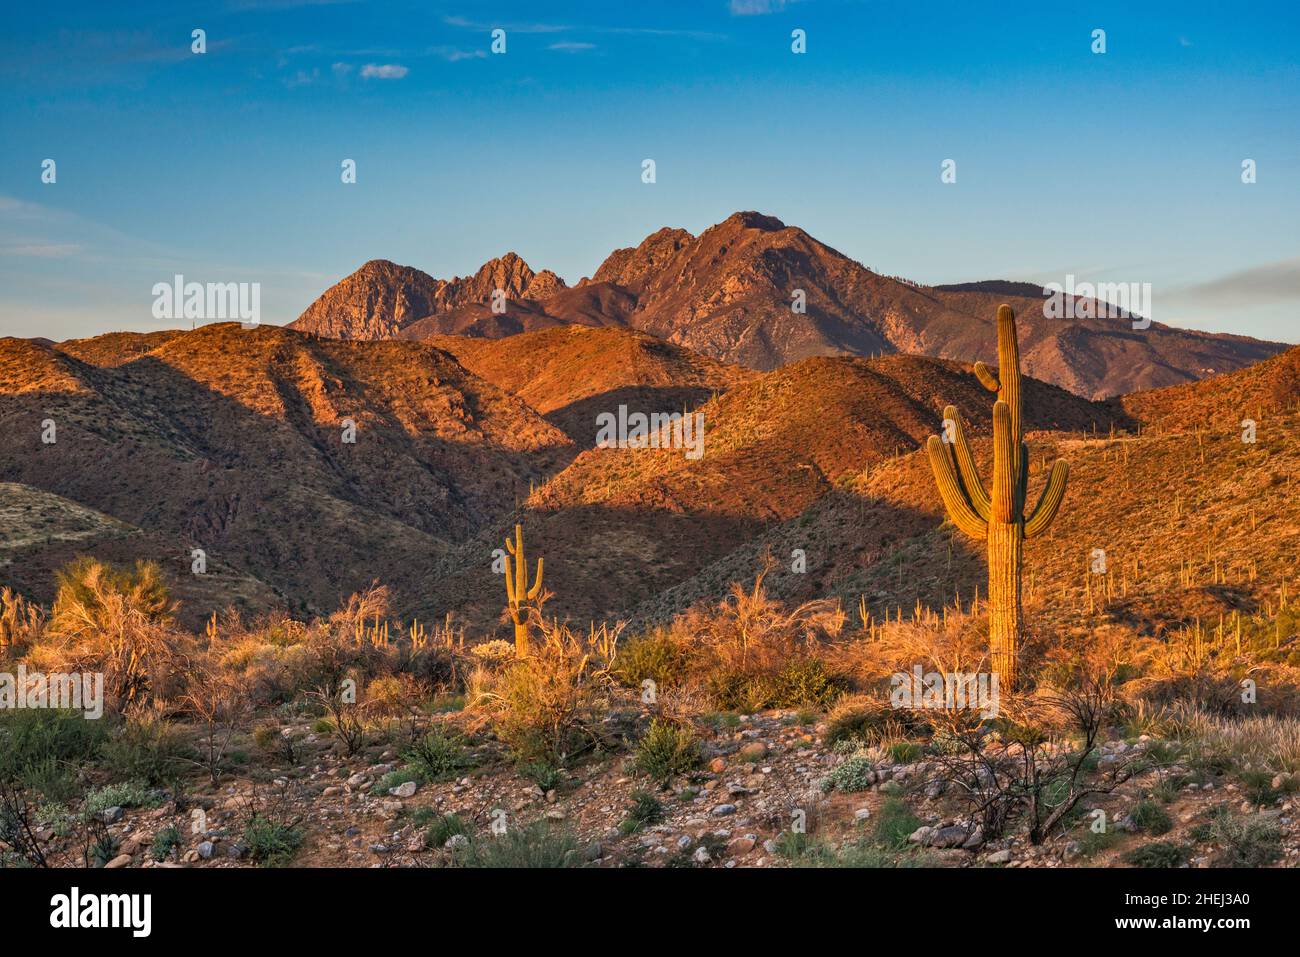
(383, 71)
(40, 249)
(571, 46)
(755, 8)
(455, 55)
(1270, 283)
(466, 24)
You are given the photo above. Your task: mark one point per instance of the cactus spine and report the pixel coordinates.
(521, 601)
(999, 518)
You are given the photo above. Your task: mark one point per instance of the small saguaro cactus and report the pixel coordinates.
(521, 601)
(998, 519)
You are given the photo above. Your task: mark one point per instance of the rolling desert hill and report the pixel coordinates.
(571, 373)
(1196, 524)
(728, 294)
(233, 441)
(230, 441)
(618, 526)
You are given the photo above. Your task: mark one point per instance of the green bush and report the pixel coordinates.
(536, 846)
(443, 829)
(394, 779)
(801, 682)
(1150, 817)
(667, 750)
(895, 823)
(165, 843)
(1158, 854)
(654, 657)
(542, 773)
(148, 749)
(1244, 841)
(272, 843)
(124, 794)
(646, 809)
(853, 774)
(438, 756)
(45, 749)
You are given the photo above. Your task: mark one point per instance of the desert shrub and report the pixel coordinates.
(443, 829)
(219, 704)
(1092, 843)
(658, 657)
(124, 794)
(147, 747)
(166, 843)
(21, 621)
(542, 773)
(1158, 854)
(115, 620)
(858, 854)
(45, 749)
(895, 823)
(439, 755)
(869, 722)
(753, 653)
(272, 843)
(646, 809)
(347, 719)
(536, 846)
(546, 707)
(853, 774)
(667, 750)
(103, 847)
(904, 752)
(1253, 840)
(1150, 817)
(1258, 786)
(394, 779)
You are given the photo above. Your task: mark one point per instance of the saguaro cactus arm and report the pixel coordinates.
(987, 377)
(960, 510)
(1049, 501)
(970, 476)
(537, 585)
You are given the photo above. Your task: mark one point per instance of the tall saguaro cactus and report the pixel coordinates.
(520, 599)
(999, 518)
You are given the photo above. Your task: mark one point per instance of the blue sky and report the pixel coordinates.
(224, 167)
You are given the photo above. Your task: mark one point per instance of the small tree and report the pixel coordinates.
(214, 699)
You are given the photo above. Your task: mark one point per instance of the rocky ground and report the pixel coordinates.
(761, 777)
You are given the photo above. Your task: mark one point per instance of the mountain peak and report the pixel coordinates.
(749, 219)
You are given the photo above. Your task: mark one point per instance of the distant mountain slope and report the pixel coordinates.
(233, 441)
(571, 373)
(618, 526)
(752, 291)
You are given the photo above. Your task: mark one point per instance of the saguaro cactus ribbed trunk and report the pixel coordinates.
(997, 519)
(518, 594)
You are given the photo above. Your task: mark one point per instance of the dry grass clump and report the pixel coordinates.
(748, 653)
(117, 621)
(548, 706)
(20, 621)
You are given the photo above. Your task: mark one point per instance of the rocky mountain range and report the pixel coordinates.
(730, 294)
